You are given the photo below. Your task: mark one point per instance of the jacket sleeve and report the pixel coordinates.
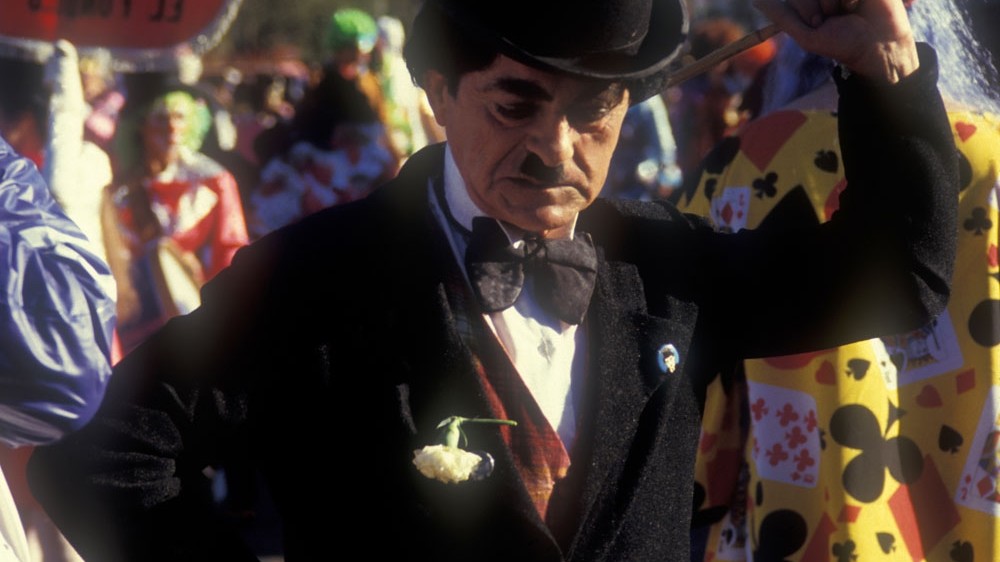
(57, 312)
(130, 485)
(881, 265)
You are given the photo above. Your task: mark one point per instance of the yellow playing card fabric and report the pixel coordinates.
(887, 449)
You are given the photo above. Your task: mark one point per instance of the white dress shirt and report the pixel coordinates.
(542, 348)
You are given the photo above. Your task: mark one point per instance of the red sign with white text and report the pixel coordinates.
(115, 24)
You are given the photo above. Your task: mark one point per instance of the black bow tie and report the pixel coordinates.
(563, 271)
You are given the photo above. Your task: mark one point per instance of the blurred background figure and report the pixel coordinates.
(337, 147)
(706, 108)
(403, 100)
(883, 449)
(177, 213)
(76, 169)
(42, 114)
(259, 104)
(103, 95)
(183, 71)
(644, 165)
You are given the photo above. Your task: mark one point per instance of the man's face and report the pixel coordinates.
(163, 132)
(533, 146)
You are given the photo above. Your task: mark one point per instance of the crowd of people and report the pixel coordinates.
(326, 225)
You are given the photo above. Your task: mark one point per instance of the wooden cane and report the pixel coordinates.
(729, 51)
(724, 53)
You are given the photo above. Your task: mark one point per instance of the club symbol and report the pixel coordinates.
(766, 186)
(978, 222)
(854, 426)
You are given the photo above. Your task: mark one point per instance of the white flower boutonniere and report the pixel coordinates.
(450, 463)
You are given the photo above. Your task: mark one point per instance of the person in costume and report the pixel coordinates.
(380, 352)
(173, 217)
(875, 449)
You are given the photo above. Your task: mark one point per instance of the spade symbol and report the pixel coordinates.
(781, 533)
(710, 186)
(949, 440)
(886, 541)
(899, 360)
(827, 161)
(961, 551)
(858, 368)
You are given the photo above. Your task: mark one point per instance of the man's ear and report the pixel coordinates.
(436, 86)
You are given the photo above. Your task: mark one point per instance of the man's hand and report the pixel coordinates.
(871, 38)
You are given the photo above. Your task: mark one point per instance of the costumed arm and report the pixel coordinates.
(76, 171)
(883, 263)
(231, 230)
(58, 312)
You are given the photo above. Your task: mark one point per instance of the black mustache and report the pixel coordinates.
(534, 168)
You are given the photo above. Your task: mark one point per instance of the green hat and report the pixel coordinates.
(351, 27)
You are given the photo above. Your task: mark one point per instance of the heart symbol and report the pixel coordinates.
(965, 130)
(929, 397)
(760, 144)
(833, 200)
(826, 374)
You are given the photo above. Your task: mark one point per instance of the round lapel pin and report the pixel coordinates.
(668, 358)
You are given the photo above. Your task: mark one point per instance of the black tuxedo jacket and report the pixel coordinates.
(332, 345)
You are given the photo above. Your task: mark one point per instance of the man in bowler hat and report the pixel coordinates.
(488, 282)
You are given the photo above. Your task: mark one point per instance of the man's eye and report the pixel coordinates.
(588, 114)
(515, 110)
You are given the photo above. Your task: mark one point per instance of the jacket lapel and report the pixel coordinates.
(625, 370)
(441, 381)
(448, 385)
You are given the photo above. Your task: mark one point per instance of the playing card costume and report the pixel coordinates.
(928, 394)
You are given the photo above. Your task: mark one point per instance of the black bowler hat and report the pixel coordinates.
(626, 40)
